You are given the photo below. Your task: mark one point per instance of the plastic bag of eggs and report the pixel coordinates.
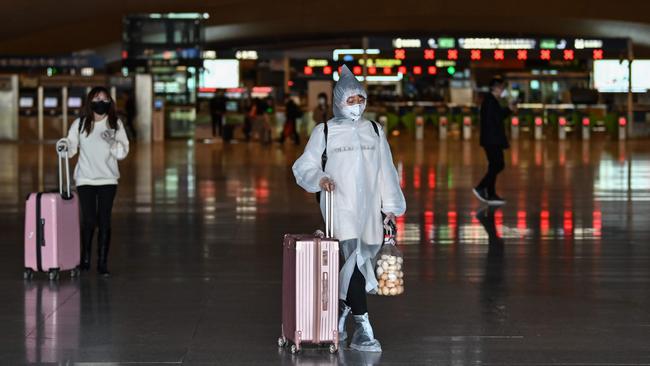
(390, 275)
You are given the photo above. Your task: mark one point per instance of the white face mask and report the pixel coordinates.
(322, 101)
(353, 112)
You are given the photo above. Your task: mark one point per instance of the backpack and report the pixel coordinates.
(323, 157)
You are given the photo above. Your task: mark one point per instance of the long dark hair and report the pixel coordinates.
(87, 115)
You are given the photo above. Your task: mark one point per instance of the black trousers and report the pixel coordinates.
(496, 164)
(217, 124)
(96, 207)
(356, 298)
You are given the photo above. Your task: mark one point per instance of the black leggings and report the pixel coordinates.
(356, 298)
(96, 207)
(496, 165)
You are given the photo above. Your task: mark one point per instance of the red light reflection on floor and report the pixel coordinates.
(597, 223)
(568, 223)
(452, 220)
(432, 179)
(401, 225)
(262, 192)
(521, 221)
(428, 225)
(417, 177)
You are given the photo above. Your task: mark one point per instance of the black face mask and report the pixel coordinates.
(100, 108)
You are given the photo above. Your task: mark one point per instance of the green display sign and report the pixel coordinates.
(446, 42)
(547, 44)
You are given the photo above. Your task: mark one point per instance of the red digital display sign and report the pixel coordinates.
(357, 70)
(327, 70)
(598, 54)
(433, 70)
(475, 55)
(388, 70)
(569, 55)
(429, 54)
(308, 70)
(400, 54)
(417, 70)
(401, 70)
(545, 54)
(522, 55)
(452, 54)
(499, 55)
(372, 70)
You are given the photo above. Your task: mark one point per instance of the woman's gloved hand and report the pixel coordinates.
(109, 136)
(327, 184)
(390, 221)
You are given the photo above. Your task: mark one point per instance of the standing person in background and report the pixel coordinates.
(493, 140)
(293, 112)
(323, 112)
(101, 140)
(217, 111)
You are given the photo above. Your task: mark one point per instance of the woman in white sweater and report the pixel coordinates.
(101, 140)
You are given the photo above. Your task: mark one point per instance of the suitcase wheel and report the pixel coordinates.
(282, 342)
(333, 348)
(28, 274)
(294, 349)
(53, 274)
(75, 272)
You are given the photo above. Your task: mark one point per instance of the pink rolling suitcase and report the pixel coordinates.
(310, 288)
(52, 227)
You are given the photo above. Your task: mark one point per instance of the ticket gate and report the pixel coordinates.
(514, 127)
(467, 128)
(28, 114)
(622, 128)
(586, 128)
(419, 128)
(539, 128)
(561, 128)
(53, 128)
(443, 124)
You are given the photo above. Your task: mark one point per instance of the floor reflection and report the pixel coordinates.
(52, 313)
(196, 262)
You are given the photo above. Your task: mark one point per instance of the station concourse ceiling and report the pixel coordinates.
(46, 27)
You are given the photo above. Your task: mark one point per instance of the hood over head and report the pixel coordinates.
(347, 86)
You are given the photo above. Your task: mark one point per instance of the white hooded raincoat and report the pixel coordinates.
(361, 165)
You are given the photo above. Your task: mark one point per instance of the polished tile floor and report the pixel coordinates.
(559, 276)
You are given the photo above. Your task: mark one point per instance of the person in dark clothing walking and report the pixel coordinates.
(293, 112)
(494, 141)
(217, 111)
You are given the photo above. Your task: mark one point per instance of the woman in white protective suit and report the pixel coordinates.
(359, 168)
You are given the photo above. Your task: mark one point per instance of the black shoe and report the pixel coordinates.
(495, 200)
(481, 194)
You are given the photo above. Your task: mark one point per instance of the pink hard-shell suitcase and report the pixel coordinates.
(52, 227)
(310, 288)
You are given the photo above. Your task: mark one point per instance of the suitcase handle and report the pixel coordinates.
(329, 214)
(62, 152)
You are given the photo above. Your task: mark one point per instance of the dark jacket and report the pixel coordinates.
(493, 130)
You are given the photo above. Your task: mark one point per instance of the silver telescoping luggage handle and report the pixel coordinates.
(329, 214)
(62, 152)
